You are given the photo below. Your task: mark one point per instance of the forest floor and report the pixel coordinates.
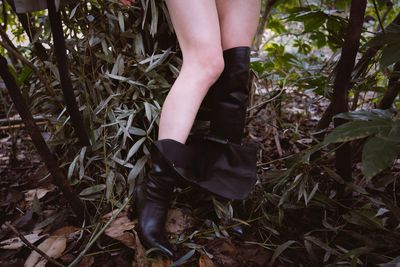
(36, 209)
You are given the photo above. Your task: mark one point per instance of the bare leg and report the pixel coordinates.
(197, 27)
(239, 21)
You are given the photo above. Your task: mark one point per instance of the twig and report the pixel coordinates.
(49, 159)
(263, 21)
(15, 52)
(31, 246)
(21, 125)
(18, 120)
(262, 104)
(379, 16)
(278, 142)
(65, 79)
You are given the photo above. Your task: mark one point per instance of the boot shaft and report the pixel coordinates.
(231, 96)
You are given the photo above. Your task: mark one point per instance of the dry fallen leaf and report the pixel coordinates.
(161, 263)
(140, 254)
(53, 246)
(205, 261)
(178, 221)
(120, 229)
(40, 192)
(16, 242)
(66, 231)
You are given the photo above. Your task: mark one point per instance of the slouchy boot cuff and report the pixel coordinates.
(217, 165)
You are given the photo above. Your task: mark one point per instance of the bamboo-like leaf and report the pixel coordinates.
(115, 68)
(373, 114)
(184, 258)
(393, 263)
(147, 109)
(71, 167)
(139, 46)
(358, 129)
(154, 18)
(135, 148)
(81, 164)
(145, 6)
(136, 169)
(110, 184)
(137, 131)
(124, 79)
(279, 250)
(159, 60)
(121, 21)
(378, 154)
(321, 244)
(92, 190)
(390, 55)
(72, 14)
(308, 199)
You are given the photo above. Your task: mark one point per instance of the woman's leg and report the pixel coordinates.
(229, 96)
(197, 28)
(196, 25)
(239, 21)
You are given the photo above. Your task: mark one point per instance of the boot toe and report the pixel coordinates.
(239, 230)
(160, 245)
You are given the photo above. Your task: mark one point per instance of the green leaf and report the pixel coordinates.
(71, 167)
(390, 55)
(110, 184)
(72, 14)
(314, 22)
(135, 148)
(378, 154)
(279, 250)
(357, 129)
(320, 244)
(136, 131)
(81, 163)
(92, 190)
(137, 168)
(147, 109)
(121, 21)
(365, 219)
(154, 17)
(26, 73)
(154, 64)
(184, 258)
(393, 263)
(389, 37)
(373, 114)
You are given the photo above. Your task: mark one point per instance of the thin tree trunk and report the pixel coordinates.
(393, 88)
(263, 21)
(15, 53)
(342, 82)
(360, 68)
(30, 31)
(49, 159)
(66, 84)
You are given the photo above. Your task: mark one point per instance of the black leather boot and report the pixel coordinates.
(151, 202)
(230, 99)
(226, 103)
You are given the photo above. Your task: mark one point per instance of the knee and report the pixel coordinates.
(208, 64)
(212, 63)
